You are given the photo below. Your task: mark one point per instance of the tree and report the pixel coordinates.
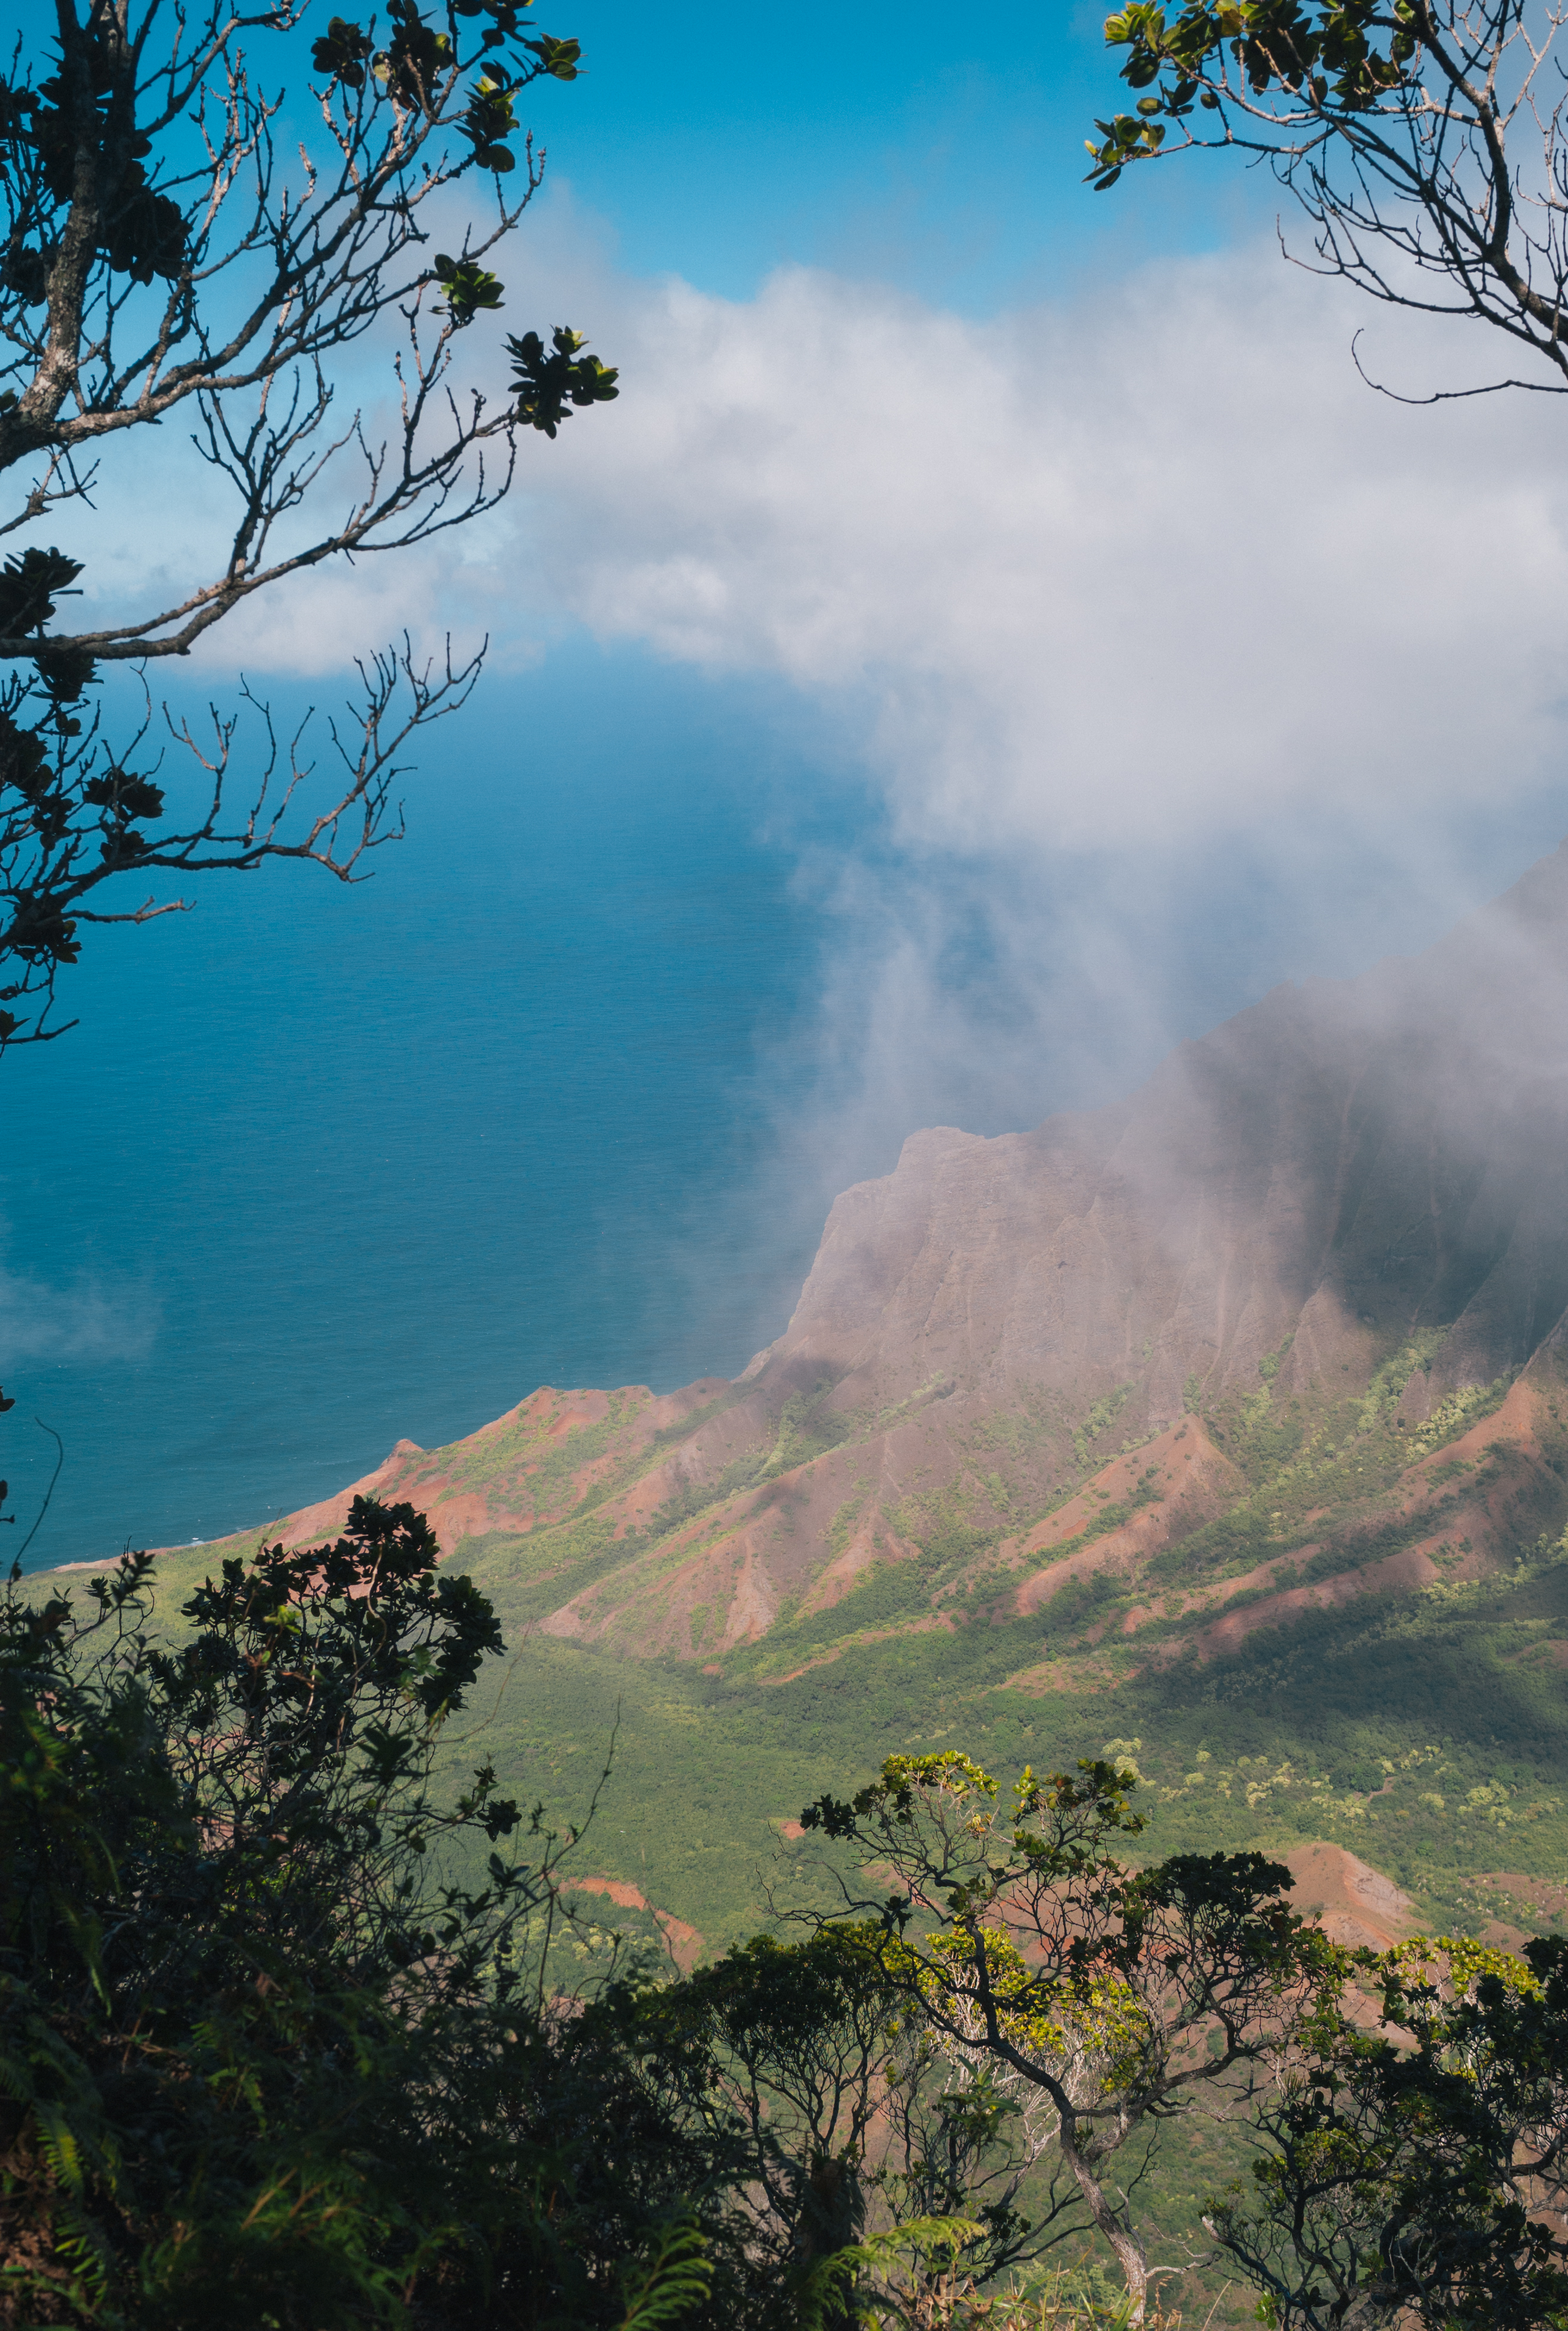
(279, 2039)
(1416, 2174)
(841, 2119)
(285, 2033)
(1423, 139)
(176, 246)
(1116, 1996)
(208, 1905)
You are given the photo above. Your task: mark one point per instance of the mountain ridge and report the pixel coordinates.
(1282, 1328)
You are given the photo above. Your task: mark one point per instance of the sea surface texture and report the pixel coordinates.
(322, 1167)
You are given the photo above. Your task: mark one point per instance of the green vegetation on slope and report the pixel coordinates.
(1426, 1731)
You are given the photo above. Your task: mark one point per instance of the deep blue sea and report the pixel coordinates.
(323, 1167)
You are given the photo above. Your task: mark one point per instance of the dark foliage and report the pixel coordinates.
(268, 2051)
(1416, 2175)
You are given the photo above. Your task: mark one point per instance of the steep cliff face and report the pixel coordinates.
(1286, 1323)
(1341, 1161)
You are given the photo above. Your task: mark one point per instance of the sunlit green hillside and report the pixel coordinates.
(1427, 1732)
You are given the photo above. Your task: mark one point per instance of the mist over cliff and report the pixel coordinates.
(1284, 1326)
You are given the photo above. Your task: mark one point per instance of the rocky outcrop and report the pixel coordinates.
(1342, 1160)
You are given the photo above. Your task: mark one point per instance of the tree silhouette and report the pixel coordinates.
(177, 244)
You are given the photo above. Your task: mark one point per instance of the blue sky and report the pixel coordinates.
(916, 145)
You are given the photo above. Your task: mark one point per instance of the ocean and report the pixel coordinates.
(325, 1167)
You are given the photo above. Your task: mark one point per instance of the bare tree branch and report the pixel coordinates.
(70, 834)
(160, 251)
(1424, 139)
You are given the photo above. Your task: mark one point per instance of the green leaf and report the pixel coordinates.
(548, 386)
(341, 52)
(677, 2278)
(840, 2268)
(467, 286)
(557, 58)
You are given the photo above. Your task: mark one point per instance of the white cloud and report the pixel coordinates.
(1147, 567)
(1139, 609)
(1162, 636)
(1155, 564)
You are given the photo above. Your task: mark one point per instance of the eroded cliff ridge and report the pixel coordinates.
(1284, 1328)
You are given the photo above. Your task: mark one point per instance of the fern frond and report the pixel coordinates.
(677, 2278)
(831, 2275)
(58, 2144)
